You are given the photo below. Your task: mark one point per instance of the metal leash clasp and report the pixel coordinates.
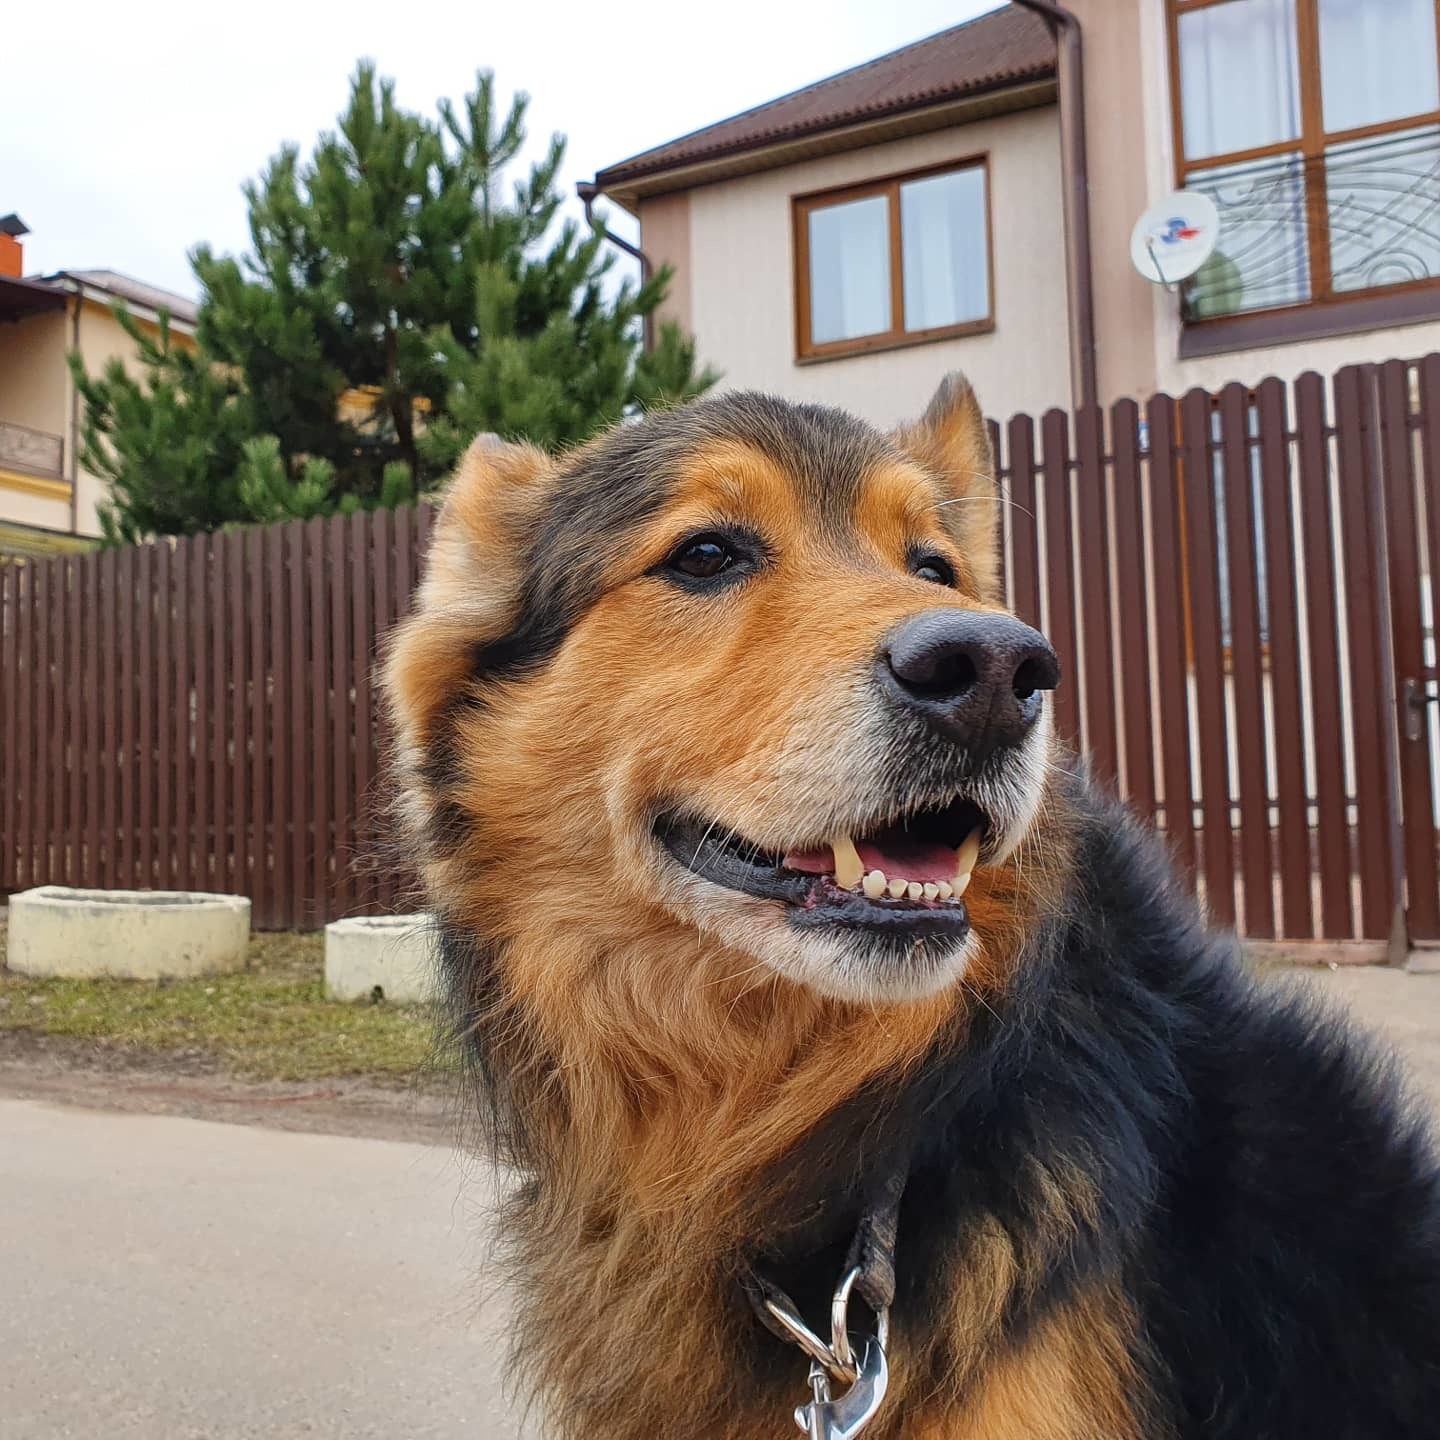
(826, 1418)
(843, 1419)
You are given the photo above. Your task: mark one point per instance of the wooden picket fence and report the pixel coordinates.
(201, 714)
(1237, 584)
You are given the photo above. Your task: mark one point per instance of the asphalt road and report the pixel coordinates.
(167, 1278)
(170, 1278)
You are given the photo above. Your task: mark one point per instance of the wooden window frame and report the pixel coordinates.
(897, 337)
(1311, 145)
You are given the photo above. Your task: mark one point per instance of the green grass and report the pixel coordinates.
(270, 1021)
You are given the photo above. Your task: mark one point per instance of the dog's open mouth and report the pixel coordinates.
(908, 875)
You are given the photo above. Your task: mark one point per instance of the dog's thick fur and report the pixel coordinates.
(1145, 1197)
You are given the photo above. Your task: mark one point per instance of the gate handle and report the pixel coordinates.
(1417, 696)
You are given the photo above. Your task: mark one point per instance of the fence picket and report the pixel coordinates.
(302, 906)
(1059, 563)
(1207, 629)
(1292, 834)
(1093, 565)
(178, 719)
(1132, 677)
(1331, 830)
(1018, 478)
(341, 742)
(1246, 667)
(10, 623)
(1369, 705)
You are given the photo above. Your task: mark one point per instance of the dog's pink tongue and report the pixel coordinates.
(901, 857)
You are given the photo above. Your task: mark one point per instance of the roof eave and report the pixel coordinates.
(626, 185)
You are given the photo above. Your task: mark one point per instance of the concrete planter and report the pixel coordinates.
(395, 954)
(127, 934)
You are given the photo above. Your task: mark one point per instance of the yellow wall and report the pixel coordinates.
(36, 391)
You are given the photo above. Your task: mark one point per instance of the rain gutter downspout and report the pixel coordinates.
(1075, 172)
(589, 192)
(74, 456)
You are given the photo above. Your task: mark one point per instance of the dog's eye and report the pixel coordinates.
(702, 557)
(934, 568)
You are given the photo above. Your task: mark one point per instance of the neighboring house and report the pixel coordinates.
(852, 240)
(48, 499)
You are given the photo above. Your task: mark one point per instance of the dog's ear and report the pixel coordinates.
(473, 575)
(950, 440)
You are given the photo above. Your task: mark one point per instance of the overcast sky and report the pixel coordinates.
(126, 131)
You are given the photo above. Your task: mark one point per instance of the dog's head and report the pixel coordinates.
(738, 678)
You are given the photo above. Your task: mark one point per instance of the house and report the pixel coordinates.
(851, 241)
(48, 500)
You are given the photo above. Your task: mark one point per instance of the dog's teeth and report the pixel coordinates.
(874, 885)
(965, 858)
(931, 891)
(946, 889)
(898, 888)
(915, 890)
(848, 867)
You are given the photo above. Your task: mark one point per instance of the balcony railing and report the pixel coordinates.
(36, 452)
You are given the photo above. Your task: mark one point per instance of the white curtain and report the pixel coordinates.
(850, 270)
(1239, 76)
(946, 260)
(1377, 61)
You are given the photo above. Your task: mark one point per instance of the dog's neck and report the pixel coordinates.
(666, 1104)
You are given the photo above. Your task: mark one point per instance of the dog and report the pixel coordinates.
(771, 910)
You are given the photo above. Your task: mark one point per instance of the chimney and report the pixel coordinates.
(12, 252)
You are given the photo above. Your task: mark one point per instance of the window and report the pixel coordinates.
(1314, 125)
(894, 262)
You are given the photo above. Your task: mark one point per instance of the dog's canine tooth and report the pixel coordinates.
(849, 868)
(965, 858)
(874, 885)
(898, 888)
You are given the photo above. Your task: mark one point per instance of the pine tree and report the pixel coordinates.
(392, 269)
(169, 444)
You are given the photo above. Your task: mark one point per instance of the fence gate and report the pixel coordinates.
(1406, 401)
(1238, 584)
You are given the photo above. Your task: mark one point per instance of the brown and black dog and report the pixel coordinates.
(761, 879)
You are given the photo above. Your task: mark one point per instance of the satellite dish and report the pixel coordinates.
(1173, 239)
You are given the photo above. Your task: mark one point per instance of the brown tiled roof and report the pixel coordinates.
(1009, 46)
(26, 297)
(137, 292)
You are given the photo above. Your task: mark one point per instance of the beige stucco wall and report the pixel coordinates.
(741, 285)
(1137, 324)
(665, 224)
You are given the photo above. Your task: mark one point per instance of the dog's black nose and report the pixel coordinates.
(975, 677)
